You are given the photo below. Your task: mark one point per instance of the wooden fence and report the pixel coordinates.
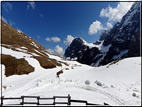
(38, 99)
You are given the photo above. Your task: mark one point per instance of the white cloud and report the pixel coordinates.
(58, 50)
(4, 19)
(115, 14)
(32, 4)
(48, 39)
(7, 6)
(50, 51)
(55, 39)
(109, 25)
(68, 40)
(95, 27)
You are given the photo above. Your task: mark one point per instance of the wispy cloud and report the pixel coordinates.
(11, 23)
(32, 4)
(58, 50)
(41, 15)
(38, 37)
(95, 27)
(7, 6)
(48, 39)
(3, 19)
(53, 39)
(28, 6)
(68, 40)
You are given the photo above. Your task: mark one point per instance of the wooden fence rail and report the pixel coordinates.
(68, 102)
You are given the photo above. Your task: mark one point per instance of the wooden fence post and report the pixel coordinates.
(54, 100)
(2, 98)
(22, 100)
(105, 103)
(38, 100)
(69, 99)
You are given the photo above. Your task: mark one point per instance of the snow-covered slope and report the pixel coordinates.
(114, 83)
(19, 50)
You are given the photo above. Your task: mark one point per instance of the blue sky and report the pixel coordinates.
(55, 24)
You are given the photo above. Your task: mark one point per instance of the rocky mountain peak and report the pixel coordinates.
(77, 41)
(116, 43)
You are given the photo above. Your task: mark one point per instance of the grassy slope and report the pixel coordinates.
(13, 39)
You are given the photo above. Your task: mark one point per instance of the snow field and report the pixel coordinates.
(118, 81)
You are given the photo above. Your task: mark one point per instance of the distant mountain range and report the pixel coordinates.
(122, 41)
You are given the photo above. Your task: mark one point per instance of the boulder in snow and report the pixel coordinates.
(87, 82)
(134, 94)
(98, 83)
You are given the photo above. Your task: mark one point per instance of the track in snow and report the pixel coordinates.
(112, 97)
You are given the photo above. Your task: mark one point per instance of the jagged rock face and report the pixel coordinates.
(88, 56)
(82, 52)
(123, 41)
(134, 48)
(75, 48)
(123, 35)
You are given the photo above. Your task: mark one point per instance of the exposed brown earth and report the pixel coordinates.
(46, 62)
(16, 66)
(59, 72)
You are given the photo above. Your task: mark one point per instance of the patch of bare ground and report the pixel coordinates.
(47, 62)
(15, 66)
(59, 72)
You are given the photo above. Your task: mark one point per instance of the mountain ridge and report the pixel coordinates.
(15, 41)
(119, 41)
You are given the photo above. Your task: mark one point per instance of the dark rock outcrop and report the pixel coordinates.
(78, 49)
